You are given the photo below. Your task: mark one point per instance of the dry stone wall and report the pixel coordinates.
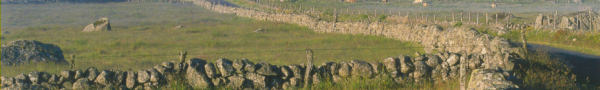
(244, 74)
(496, 51)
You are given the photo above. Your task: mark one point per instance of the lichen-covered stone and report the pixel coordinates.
(211, 71)
(362, 69)
(131, 79)
(143, 76)
(486, 79)
(225, 67)
(266, 69)
(197, 78)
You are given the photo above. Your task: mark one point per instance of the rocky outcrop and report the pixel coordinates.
(30, 51)
(101, 24)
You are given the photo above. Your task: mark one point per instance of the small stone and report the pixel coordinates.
(225, 67)
(81, 84)
(143, 76)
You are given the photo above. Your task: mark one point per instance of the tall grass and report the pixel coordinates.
(540, 71)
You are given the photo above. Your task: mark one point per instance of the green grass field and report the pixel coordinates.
(141, 42)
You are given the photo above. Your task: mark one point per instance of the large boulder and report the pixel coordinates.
(195, 75)
(101, 24)
(29, 51)
(487, 79)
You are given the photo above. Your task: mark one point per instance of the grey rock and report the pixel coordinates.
(259, 81)
(143, 76)
(26, 51)
(248, 66)
(405, 64)
(79, 74)
(168, 65)
(433, 61)
(104, 78)
(68, 75)
(345, 70)
(486, 79)
(7, 81)
(92, 73)
(211, 72)
(81, 84)
(130, 81)
(155, 76)
(238, 65)
(391, 66)
(34, 77)
(239, 82)
(266, 69)
(220, 81)
(286, 71)
(297, 70)
(225, 67)
(362, 69)
(197, 78)
(101, 24)
(453, 59)
(421, 71)
(161, 69)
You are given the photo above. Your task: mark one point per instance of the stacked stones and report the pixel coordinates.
(244, 74)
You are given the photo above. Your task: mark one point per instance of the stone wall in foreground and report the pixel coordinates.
(243, 73)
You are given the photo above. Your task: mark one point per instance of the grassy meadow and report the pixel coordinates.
(141, 42)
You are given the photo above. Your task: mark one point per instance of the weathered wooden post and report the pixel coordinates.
(477, 18)
(309, 65)
(182, 56)
(487, 18)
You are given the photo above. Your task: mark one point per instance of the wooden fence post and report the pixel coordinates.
(487, 18)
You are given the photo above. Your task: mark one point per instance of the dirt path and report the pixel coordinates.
(584, 65)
